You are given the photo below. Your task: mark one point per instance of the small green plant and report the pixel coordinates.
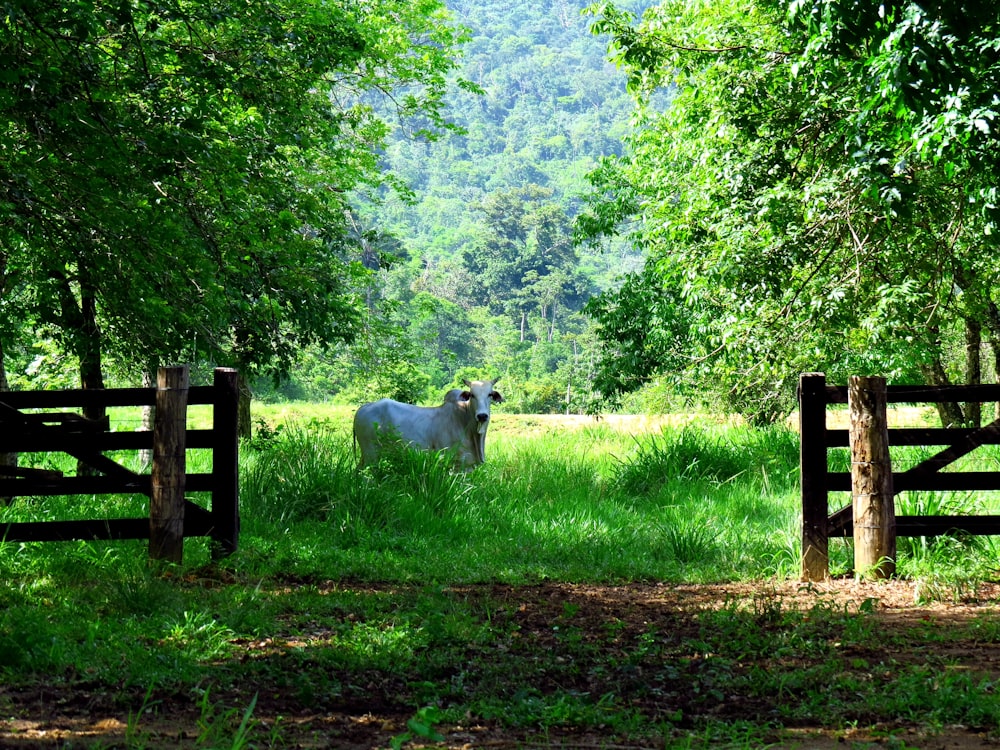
(199, 635)
(690, 539)
(421, 726)
(218, 727)
(133, 736)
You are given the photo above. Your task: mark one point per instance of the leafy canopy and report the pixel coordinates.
(812, 194)
(177, 172)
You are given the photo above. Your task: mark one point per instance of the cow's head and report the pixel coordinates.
(480, 395)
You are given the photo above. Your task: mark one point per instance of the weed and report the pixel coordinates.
(133, 736)
(199, 636)
(218, 727)
(690, 539)
(421, 725)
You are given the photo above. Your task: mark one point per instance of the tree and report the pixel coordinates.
(524, 257)
(440, 329)
(800, 226)
(928, 106)
(174, 178)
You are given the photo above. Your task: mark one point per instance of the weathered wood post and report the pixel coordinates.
(812, 474)
(166, 501)
(225, 463)
(871, 479)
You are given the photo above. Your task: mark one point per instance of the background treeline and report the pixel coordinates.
(379, 217)
(349, 201)
(475, 269)
(820, 194)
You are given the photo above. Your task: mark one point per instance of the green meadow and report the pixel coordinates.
(589, 503)
(363, 568)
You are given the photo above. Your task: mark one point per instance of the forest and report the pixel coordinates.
(618, 205)
(648, 206)
(475, 265)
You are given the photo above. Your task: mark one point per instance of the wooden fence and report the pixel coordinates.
(819, 525)
(46, 429)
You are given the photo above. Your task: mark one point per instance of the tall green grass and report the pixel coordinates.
(692, 503)
(596, 505)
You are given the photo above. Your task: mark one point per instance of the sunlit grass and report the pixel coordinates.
(593, 504)
(347, 579)
(586, 502)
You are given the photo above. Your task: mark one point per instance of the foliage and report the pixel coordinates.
(695, 454)
(174, 179)
(806, 199)
(484, 272)
(523, 256)
(649, 327)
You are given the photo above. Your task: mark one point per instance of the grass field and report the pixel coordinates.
(613, 583)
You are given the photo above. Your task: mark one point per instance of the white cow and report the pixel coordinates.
(459, 423)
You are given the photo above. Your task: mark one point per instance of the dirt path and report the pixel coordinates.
(81, 715)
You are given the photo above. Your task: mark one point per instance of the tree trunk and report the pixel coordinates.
(973, 369)
(988, 320)
(950, 413)
(245, 427)
(91, 372)
(995, 346)
(992, 325)
(992, 329)
(148, 417)
(80, 319)
(6, 459)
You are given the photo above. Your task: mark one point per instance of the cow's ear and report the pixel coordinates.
(497, 398)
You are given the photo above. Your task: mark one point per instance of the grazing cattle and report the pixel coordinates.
(459, 424)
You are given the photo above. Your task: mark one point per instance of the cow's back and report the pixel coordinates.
(425, 427)
(366, 419)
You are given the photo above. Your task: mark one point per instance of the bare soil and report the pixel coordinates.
(57, 714)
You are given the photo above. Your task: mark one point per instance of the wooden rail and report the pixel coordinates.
(172, 517)
(817, 481)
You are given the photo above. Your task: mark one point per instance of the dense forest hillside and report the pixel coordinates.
(471, 242)
(551, 105)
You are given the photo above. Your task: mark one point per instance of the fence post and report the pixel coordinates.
(166, 501)
(812, 474)
(871, 478)
(225, 463)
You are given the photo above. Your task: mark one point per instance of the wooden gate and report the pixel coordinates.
(818, 524)
(48, 428)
